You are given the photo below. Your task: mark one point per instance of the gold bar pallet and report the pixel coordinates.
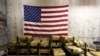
(70, 52)
(38, 47)
(28, 50)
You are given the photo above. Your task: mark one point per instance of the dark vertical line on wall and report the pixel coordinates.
(7, 40)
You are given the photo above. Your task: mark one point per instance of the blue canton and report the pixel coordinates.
(32, 13)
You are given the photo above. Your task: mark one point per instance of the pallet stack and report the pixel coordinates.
(58, 52)
(27, 45)
(3, 31)
(2, 23)
(68, 46)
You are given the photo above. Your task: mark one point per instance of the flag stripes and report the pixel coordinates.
(54, 21)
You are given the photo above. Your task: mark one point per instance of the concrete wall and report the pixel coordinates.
(84, 18)
(15, 18)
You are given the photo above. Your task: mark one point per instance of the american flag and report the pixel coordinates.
(45, 20)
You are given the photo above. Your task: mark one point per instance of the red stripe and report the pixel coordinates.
(54, 11)
(32, 25)
(54, 21)
(44, 35)
(54, 16)
(26, 29)
(48, 7)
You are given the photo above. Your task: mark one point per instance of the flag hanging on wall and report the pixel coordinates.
(45, 20)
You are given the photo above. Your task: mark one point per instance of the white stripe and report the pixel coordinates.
(53, 14)
(35, 32)
(46, 28)
(52, 19)
(55, 23)
(54, 9)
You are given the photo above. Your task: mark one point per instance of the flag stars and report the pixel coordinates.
(32, 13)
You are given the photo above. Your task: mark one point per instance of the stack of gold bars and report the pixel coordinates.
(23, 42)
(35, 42)
(45, 45)
(12, 46)
(74, 46)
(2, 24)
(71, 45)
(58, 52)
(55, 41)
